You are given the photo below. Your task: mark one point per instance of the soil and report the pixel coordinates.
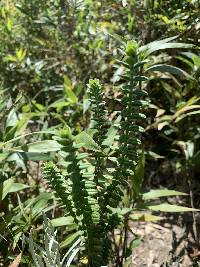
(169, 243)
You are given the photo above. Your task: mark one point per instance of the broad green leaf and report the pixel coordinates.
(11, 119)
(20, 54)
(134, 244)
(44, 146)
(36, 202)
(121, 211)
(3, 156)
(153, 194)
(71, 95)
(25, 135)
(144, 217)
(169, 68)
(62, 221)
(40, 147)
(67, 81)
(5, 188)
(138, 177)
(59, 104)
(87, 141)
(165, 207)
(36, 156)
(17, 187)
(69, 240)
(111, 134)
(68, 90)
(17, 159)
(86, 105)
(40, 204)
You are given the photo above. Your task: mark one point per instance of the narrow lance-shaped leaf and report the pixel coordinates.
(144, 217)
(5, 188)
(153, 194)
(62, 221)
(40, 146)
(87, 141)
(165, 207)
(162, 45)
(15, 187)
(137, 178)
(169, 69)
(111, 134)
(69, 240)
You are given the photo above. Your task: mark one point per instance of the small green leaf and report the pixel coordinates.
(154, 155)
(87, 141)
(11, 119)
(69, 90)
(135, 243)
(9, 24)
(144, 217)
(111, 134)
(71, 95)
(62, 221)
(5, 188)
(40, 147)
(121, 211)
(86, 105)
(3, 156)
(35, 156)
(138, 177)
(15, 187)
(69, 240)
(162, 193)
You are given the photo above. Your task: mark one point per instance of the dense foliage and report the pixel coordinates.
(91, 92)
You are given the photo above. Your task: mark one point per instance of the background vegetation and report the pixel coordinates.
(48, 52)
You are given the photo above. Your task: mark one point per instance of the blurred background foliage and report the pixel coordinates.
(48, 52)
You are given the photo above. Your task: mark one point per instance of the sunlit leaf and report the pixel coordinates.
(153, 194)
(87, 141)
(165, 207)
(5, 188)
(69, 240)
(62, 221)
(144, 217)
(164, 44)
(40, 147)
